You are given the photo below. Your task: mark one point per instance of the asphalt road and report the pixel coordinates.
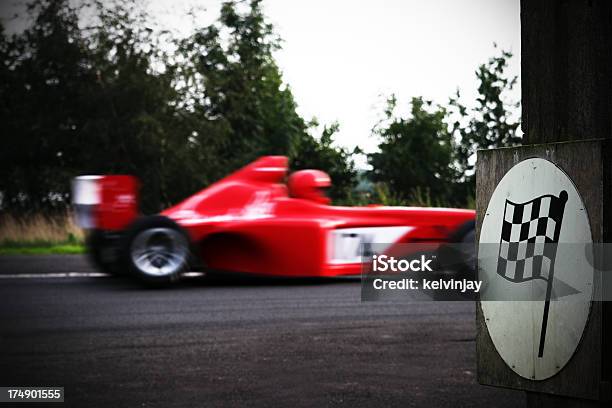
(206, 343)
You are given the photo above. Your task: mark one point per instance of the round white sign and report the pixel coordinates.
(532, 231)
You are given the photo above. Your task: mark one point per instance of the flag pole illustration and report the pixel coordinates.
(528, 245)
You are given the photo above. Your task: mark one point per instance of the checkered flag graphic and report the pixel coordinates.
(527, 250)
(527, 229)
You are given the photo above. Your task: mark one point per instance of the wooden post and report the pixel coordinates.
(566, 65)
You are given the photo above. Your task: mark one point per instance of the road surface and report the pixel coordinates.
(112, 343)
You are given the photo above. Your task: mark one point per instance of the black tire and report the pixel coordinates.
(156, 250)
(465, 238)
(103, 252)
(458, 258)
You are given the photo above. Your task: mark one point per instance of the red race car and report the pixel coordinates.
(250, 222)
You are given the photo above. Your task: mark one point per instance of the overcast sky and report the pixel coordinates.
(343, 57)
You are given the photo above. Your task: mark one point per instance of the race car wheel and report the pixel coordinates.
(457, 258)
(157, 250)
(103, 253)
(466, 237)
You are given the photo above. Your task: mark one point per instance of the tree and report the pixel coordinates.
(130, 116)
(489, 124)
(233, 81)
(115, 97)
(41, 94)
(417, 164)
(415, 153)
(234, 87)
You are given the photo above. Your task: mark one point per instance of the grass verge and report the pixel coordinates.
(41, 250)
(40, 235)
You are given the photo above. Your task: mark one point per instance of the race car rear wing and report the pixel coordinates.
(108, 203)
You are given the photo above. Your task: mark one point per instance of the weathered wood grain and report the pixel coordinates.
(566, 70)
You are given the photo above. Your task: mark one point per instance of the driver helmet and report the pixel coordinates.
(310, 185)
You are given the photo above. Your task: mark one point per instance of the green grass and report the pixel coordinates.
(40, 248)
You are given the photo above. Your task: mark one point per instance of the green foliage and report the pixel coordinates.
(237, 93)
(40, 248)
(489, 124)
(119, 97)
(416, 152)
(236, 88)
(41, 99)
(385, 196)
(424, 161)
(130, 120)
(84, 102)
